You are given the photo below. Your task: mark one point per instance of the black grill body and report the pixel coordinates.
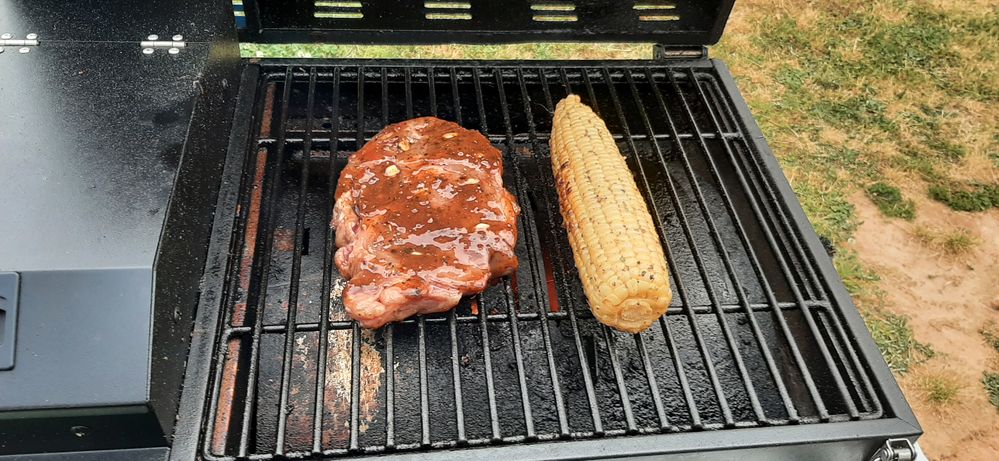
(761, 356)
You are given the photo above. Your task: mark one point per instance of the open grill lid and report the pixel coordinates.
(670, 22)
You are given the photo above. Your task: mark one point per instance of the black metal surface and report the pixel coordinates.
(121, 21)
(92, 136)
(107, 188)
(10, 284)
(678, 22)
(756, 336)
(183, 243)
(133, 454)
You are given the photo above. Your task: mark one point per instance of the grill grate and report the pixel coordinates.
(752, 338)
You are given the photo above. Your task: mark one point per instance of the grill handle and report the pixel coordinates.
(895, 450)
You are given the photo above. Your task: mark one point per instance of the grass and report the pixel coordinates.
(991, 334)
(889, 200)
(990, 379)
(951, 243)
(940, 389)
(515, 51)
(991, 382)
(966, 196)
(894, 337)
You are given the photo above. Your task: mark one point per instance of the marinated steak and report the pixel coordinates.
(421, 219)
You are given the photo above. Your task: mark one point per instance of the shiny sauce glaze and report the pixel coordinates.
(421, 219)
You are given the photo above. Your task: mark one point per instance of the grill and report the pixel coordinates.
(754, 337)
(186, 254)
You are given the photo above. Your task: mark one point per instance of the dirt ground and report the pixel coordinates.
(948, 300)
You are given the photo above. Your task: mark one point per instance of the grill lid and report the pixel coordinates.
(672, 22)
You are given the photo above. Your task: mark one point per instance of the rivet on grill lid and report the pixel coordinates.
(24, 50)
(1, 49)
(147, 51)
(153, 37)
(173, 50)
(31, 36)
(6, 36)
(178, 37)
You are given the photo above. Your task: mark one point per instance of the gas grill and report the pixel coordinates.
(762, 355)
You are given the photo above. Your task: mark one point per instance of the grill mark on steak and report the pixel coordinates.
(421, 218)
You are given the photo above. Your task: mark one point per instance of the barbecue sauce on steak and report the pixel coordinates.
(421, 218)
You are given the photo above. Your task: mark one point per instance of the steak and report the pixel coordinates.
(421, 219)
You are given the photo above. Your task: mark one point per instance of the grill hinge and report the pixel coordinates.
(153, 43)
(895, 450)
(23, 45)
(674, 52)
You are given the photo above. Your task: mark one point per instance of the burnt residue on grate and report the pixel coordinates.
(750, 340)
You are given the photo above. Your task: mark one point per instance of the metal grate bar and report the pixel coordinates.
(754, 193)
(629, 416)
(814, 287)
(511, 296)
(490, 384)
(409, 92)
(294, 136)
(809, 381)
(329, 247)
(385, 98)
(231, 332)
(355, 387)
(422, 334)
(243, 226)
(249, 406)
(712, 295)
(296, 271)
(455, 93)
(432, 92)
(712, 375)
(389, 332)
(459, 413)
(389, 387)
(542, 295)
(681, 376)
(809, 318)
(573, 322)
(754, 325)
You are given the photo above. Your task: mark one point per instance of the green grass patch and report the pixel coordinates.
(830, 212)
(940, 389)
(513, 51)
(889, 200)
(858, 279)
(859, 111)
(991, 382)
(952, 243)
(922, 42)
(898, 344)
(790, 77)
(914, 160)
(965, 196)
(991, 334)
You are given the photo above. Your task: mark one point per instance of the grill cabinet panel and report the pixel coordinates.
(753, 338)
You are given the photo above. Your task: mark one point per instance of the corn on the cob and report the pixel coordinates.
(613, 238)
